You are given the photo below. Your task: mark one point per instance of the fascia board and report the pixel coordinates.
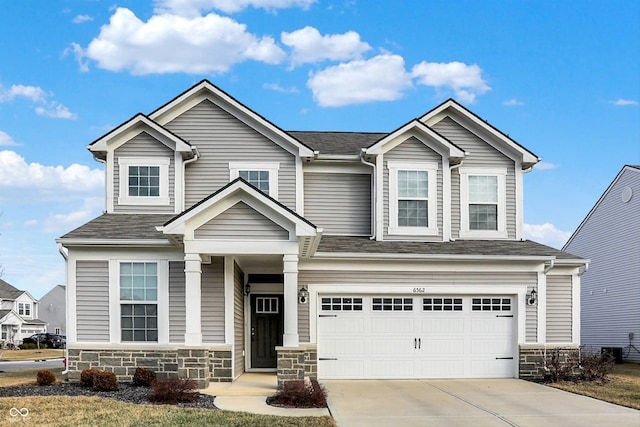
(113, 242)
(418, 130)
(206, 90)
(434, 257)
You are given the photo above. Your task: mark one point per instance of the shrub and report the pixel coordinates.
(29, 346)
(300, 394)
(578, 365)
(143, 377)
(105, 381)
(86, 376)
(596, 367)
(45, 377)
(173, 390)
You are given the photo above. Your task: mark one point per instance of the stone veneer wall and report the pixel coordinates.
(532, 359)
(297, 363)
(201, 365)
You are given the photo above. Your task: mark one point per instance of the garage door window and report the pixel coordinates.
(341, 304)
(442, 304)
(491, 304)
(392, 304)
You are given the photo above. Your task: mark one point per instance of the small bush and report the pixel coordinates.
(578, 365)
(596, 367)
(105, 381)
(173, 390)
(29, 346)
(86, 376)
(300, 394)
(45, 377)
(143, 377)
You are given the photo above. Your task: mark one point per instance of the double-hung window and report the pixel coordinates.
(143, 181)
(139, 301)
(482, 203)
(24, 309)
(412, 198)
(263, 176)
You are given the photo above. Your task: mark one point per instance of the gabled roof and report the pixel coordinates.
(338, 143)
(247, 193)
(421, 131)
(630, 168)
(8, 291)
(123, 228)
(206, 90)
(474, 123)
(134, 126)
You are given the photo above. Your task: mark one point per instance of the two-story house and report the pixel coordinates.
(18, 315)
(230, 245)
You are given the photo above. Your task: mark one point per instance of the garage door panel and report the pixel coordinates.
(491, 325)
(443, 369)
(442, 346)
(441, 324)
(393, 369)
(344, 346)
(343, 369)
(491, 368)
(392, 325)
(391, 346)
(343, 325)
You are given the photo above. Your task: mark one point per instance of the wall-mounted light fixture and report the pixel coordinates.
(303, 295)
(532, 298)
(247, 289)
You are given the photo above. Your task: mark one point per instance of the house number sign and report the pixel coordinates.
(419, 290)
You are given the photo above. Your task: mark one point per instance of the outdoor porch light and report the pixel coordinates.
(532, 297)
(303, 295)
(247, 289)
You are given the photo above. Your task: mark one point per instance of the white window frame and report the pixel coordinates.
(156, 302)
(432, 198)
(465, 231)
(271, 167)
(23, 307)
(125, 199)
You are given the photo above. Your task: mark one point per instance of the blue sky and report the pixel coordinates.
(560, 77)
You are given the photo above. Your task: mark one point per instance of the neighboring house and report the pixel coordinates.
(18, 315)
(610, 237)
(230, 245)
(53, 310)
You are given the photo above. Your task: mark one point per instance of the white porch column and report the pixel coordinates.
(290, 270)
(193, 280)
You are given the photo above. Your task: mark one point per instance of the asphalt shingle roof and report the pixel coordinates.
(122, 227)
(349, 143)
(8, 291)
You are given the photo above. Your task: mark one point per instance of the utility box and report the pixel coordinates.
(614, 352)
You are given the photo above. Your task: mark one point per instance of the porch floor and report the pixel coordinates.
(247, 384)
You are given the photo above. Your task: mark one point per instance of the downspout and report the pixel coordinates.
(451, 168)
(586, 268)
(65, 255)
(196, 156)
(549, 266)
(373, 194)
(104, 162)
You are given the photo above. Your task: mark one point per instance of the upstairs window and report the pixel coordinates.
(483, 203)
(263, 176)
(24, 309)
(412, 198)
(143, 181)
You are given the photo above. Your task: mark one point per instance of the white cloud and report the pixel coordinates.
(381, 78)
(195, 7)
(81, 57)
(309, 45)
(5, 139)
(543, 166)
(33, 93)
(56, 111)
(15, 172)
(546, 234)
(80, 19)
(624, 102)
(277, 88)
(465, 80)
(176, 44)
(513, 102)
(64, 222)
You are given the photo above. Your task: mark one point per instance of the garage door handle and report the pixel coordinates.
(419, 342)
(415, 343)
(504, 358)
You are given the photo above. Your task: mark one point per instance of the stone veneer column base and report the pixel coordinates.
(297, 363)
(532, 359)
(202, 365)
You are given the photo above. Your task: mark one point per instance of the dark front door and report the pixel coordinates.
(267, 327)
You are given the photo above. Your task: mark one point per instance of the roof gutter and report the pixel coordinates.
(113, 242)
(434, 257)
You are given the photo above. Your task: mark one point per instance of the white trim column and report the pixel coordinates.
(193, 300)
(290, 270)
(541, 306)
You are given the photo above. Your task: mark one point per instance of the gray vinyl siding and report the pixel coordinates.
(340, 203)
(212, 310)
(92, 301)
(238, 319)
(483, 155)
(412, 150)
(610, 289)
(241, 222)
(406, 278)
(144, 145)
(177, 302)
(221, 138)
(559, 313)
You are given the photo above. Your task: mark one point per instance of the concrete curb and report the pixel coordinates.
(258, 405)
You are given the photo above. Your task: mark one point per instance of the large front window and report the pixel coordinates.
(139, 301)
(412, 198)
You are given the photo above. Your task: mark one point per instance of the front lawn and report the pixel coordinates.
(42, 354)
(623, 387)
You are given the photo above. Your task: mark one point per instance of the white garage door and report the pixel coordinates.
(423, 336)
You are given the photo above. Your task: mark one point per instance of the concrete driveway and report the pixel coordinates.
(479, 403)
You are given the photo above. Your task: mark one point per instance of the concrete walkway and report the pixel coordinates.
(481, 403)
(248, 393)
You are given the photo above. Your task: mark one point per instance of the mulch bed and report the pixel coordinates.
(126, 393)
